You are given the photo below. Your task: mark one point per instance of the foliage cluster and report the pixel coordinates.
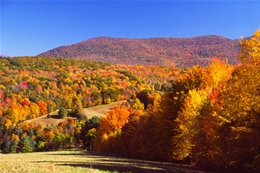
(34, 86)
(210, 118)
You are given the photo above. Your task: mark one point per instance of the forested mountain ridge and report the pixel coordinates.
(181, 52)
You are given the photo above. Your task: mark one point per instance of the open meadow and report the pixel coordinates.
(98, 111)
(82, 162)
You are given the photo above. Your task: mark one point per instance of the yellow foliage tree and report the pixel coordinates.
(34, 110)
(13, 113)
(250, 48)
(240, 107)
(187, 122)
(217, 73)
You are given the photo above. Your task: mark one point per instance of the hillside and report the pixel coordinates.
(182, 52)
(34, 86)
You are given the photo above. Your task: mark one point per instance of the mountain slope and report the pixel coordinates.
(181, 52)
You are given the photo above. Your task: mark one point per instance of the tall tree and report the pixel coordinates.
(88, 132)
(250, 48)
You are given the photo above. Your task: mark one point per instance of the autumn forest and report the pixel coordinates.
(206, 116)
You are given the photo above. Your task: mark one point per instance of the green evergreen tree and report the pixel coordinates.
(62, 112)
(14, 146)
(28, 145)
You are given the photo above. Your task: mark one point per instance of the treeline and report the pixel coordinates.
(73, 132)
(29, 137)
(210, 118)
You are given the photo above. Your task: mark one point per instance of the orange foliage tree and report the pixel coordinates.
(110, 127)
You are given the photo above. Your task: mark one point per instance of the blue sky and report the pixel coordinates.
(32, 27)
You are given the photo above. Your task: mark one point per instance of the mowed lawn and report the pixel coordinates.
(83, 162)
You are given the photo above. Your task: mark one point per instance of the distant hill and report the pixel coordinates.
(182, 52)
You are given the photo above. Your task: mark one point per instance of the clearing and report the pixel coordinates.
(82, 161)
(99, 110)
(89, 112)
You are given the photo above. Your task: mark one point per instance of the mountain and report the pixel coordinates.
(182, 52)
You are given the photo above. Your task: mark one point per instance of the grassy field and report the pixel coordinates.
(89, 112)
(42, 162)
(83, 162)
(99, 110)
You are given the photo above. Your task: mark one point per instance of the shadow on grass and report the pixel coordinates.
(112, 167)
(90, 154)
(67, 154)
(55, 116)
(114, 162)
